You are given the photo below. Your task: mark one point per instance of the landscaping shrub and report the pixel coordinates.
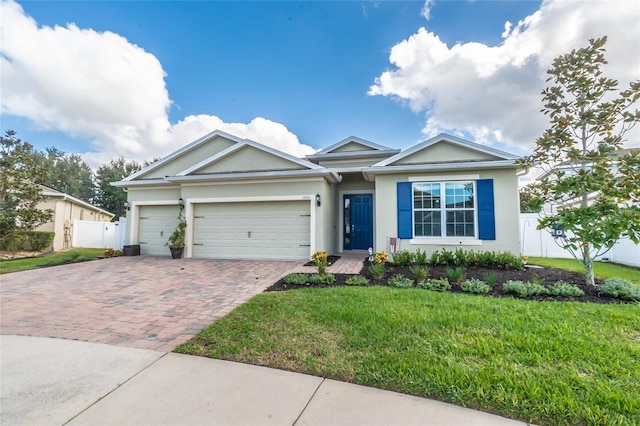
(27, 241)
(357, 280)
(486, 259)
(522, 289)
(419, 257)
(296, 279)
(111, 253)
(420, 272)
(435, 284)
(322, 279)
(561, 288)
(491, 278)
(403, 258)
(400, 281)
(620, 289)
(320, 260)
(454, 275)
(381, 257)
(475, 286)
(377, 270)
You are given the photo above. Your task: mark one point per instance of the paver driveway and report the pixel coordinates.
(142, 302)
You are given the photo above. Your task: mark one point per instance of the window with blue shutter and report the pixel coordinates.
(405, 213)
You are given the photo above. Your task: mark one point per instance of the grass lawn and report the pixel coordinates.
(543, 362)
(602, 270)
(53, 259)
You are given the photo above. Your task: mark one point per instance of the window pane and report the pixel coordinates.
(426, 196)
(459, 195)
(460, 223)
(427, 224)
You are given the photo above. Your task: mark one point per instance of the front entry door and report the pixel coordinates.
(358, 222)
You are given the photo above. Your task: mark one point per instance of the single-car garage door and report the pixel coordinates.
(256, 230)
(155, 225)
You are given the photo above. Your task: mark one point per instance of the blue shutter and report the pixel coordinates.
(405, 215)
(486, 212)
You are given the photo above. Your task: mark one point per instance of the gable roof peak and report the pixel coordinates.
(374, 146)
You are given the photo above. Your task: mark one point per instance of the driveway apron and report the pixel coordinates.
(142, 302)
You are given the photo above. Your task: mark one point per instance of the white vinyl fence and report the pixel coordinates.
(91, 234)
(540, 243)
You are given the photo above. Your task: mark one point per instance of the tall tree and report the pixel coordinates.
(67, 173)
(591, 186)
(109, 197)
(19, 194)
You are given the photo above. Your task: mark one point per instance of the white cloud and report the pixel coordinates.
(426, 9)
(493, 92)
(98, 85)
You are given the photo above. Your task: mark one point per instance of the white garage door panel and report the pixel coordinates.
(259, 230)
(155, 225)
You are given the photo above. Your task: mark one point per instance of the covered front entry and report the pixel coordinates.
(252, 230)
(358, 222)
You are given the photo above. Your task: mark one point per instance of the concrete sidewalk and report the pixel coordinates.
(55, 381)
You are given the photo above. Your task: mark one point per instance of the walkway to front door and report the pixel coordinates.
(358, 222)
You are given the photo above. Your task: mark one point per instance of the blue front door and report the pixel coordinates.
(358, 222)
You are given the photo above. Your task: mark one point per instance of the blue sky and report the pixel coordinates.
(141, 79)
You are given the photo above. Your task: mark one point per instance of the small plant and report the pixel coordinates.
(377, 270)
(620, 289)
(420, 257)
(381, 257)
(420, 272)
(491, 278)
(319, 258)
(322, 279)
(435, 284)
(402, 258)
(111, 253)
(400, 281)
(357, 280)
(522, 289)
(560, 288)
(475, 286)
(296, 279)
(447, 258)
(537, 280)
(454, 275)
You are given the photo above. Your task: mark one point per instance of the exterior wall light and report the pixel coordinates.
(181, 201)
(126, 206)
(318, 200)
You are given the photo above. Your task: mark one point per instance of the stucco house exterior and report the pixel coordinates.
(66, 209)
(245, 200)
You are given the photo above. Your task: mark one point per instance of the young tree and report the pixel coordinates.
(591, 186)
(66, 172)
(528, 202)
(109, 197)
(19, 194)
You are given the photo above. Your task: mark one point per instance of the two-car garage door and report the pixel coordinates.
(256, 230)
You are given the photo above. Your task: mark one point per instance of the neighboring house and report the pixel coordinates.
(66, 209)
(245, 200)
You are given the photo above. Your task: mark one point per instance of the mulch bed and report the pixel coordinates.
(549, 275)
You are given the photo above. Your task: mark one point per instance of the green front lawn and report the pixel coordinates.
(542, 362)
(53, 259)
(602, 270)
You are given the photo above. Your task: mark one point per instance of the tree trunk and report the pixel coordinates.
(589, 277)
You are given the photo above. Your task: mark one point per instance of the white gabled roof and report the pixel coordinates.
(50, 192)
(374, 147)
(181, 151)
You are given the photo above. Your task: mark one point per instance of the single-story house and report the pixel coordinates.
(66, 209)
(244, 200)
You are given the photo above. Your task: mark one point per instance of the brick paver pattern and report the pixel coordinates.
(143, 301)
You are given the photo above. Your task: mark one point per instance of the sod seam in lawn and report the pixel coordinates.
(542, 362)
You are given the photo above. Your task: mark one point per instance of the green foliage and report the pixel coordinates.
(590, 187)
(419, 257)
(403, 258)
(381, 257)
(377, 270)
(491, 278)
(435, 284)
(454, 275)
(111, 253)
(322, 279)
(420, 272)
(528, 203)
(486, 259)
(357, 280)
(67, 173)
(109, 197)
(562, 288)
(524, 289)
(319, 259)
(400, 281)
(176, 239)
(27, 241)
(296, 279)
(19, 194)
(620, 289)
(52, 259)
(475, 286)
(603, 270)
